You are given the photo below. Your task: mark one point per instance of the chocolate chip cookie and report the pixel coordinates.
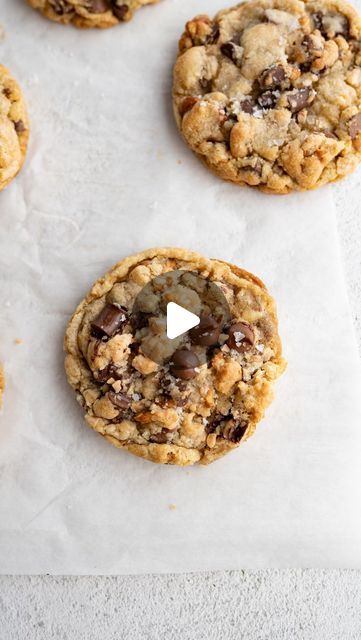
(14, 128)
(89, 13)
(268, 93)
(181, 401)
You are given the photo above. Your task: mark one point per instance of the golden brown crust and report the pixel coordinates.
(14, 128)
(254, 395)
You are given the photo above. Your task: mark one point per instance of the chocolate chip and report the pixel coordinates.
(61, 7)
(207, 332)
(256, 168)
(159, 438)
(355, 126)
(234, 430)
(232, 51)
(272, 78)
(329, 134)
(187, 104)
(300, 98)
(19, 126)
(247, 105)
(213, 423)
(109, 372)
(183, 364)
(120, 11)
(108, 322)
(7, 92)
(140, 320)
(206, 84)
(268, 99)
(119, 400)
(241, 337)
(98, 6)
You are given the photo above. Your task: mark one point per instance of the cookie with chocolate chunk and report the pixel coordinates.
(268, 93)
(181, 401)
(89, 13)
(14, 128)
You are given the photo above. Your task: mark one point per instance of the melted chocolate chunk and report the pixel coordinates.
(354, 126)
(119, 400)
(159, 438)
(19, 126)
(268, 99)
(61, 7)
(120, 11)
(232, 51)
(234, 430)
(272, 78)
(183, 364)
(241, 337)
(247, 105)
(98, 6)
(300, 98)
(207, 332)
(109, 321)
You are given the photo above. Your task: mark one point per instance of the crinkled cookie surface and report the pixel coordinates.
(268, 93)
(181, 409)
(89, 13)
(14, 128)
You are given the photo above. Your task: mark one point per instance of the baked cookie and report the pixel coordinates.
(89, 13)
(268, 93)
(178, 408)
(14, 128)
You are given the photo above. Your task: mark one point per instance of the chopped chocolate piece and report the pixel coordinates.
(183, 364)
(140, 320)
(213, 422)
(98, 6)
(187, 104)
(207, 332)
(120, 11)
(159, 438)
(241, 337)
(109, 321)
(300, 98)
(61, 7)
(109, 372)
(206, 84)
(232, 51)
(329, 134)
(234, 430)
(268, 99)
(19, 126)
(355, 125)
(7, 92)
(119, 400)
(272, 78)
(247, 105)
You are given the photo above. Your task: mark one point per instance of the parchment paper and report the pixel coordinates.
(108, 175)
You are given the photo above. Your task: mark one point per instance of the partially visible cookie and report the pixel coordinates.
(268, 93)
(14, 128)
(89, 13)
(203, 392)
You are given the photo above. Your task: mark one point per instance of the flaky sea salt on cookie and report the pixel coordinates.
(14, 128)
(89, 13)
(184, 400)
(268, 93)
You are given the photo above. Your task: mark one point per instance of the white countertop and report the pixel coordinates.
(271, 605)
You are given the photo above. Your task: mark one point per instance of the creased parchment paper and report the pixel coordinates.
(108, 175)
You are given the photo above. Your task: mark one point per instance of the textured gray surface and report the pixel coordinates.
(270, 605)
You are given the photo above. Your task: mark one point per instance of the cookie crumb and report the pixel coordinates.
(18, 341)
(172, 507)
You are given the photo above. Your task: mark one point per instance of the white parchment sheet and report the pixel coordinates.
(108, 175)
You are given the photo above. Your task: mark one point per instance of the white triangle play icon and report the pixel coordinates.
(179, 320)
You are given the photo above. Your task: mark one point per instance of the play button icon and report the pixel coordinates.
(179, 310)
(179, 320)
